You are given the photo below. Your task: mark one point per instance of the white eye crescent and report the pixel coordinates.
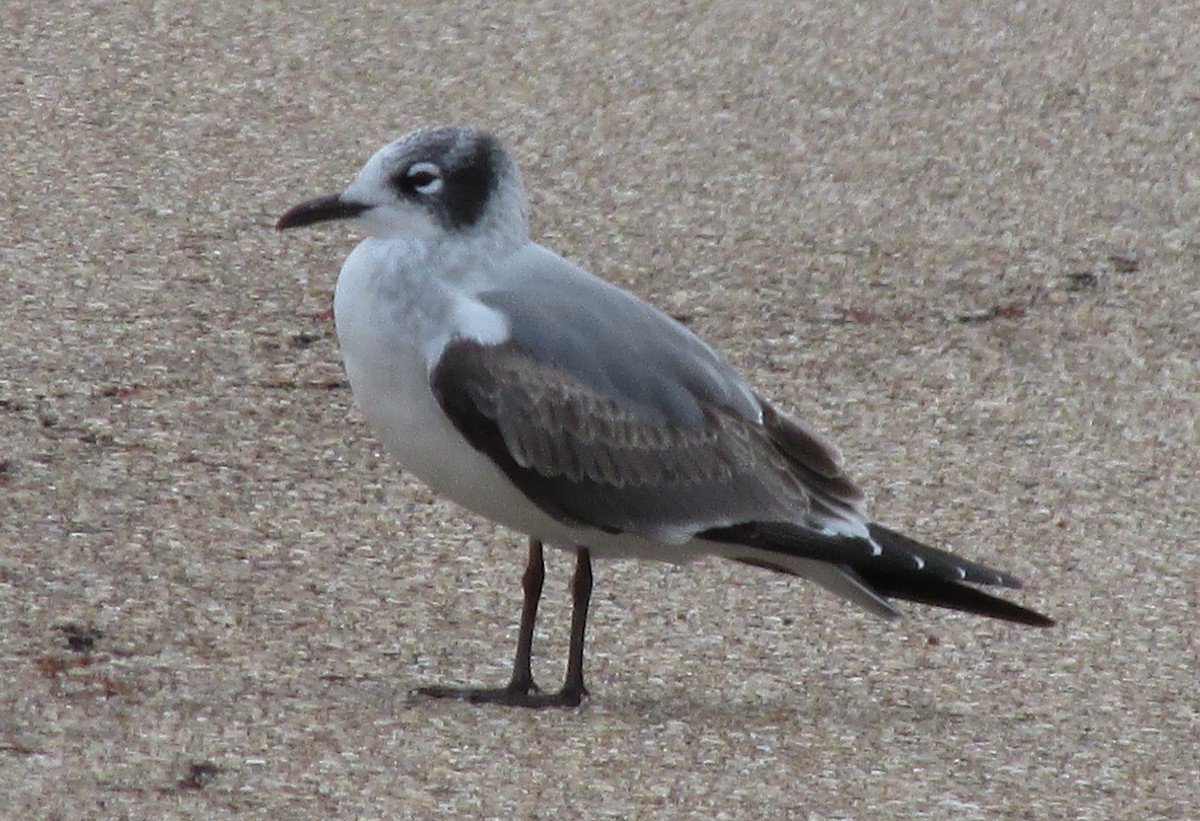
(425, 177)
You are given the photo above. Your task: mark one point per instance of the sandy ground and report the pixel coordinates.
(961, 241)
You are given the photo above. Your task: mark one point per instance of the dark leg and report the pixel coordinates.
(521, 686)
(573, 690)
(531, 582)
(521, 691)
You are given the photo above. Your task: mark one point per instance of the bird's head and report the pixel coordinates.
(432, 184)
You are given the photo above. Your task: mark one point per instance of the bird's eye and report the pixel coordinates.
(424, 178)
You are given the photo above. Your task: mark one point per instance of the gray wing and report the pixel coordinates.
(611, 341)
(607, 413)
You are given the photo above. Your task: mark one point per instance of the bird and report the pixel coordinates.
(549, 400)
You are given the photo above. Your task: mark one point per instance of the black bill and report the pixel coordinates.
(322, 209)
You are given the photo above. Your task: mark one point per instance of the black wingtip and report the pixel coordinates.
(952, 596)
(891, 565)
(1041, 621)
(938, 562)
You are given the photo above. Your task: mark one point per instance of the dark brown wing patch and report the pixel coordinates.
(816, 463)
(558, 427)
(584, 457)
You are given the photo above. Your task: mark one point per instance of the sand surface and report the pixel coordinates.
(960, 240)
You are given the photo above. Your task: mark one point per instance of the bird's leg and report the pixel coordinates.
(531, 582)
(521, 686)
(521, 690)
(573, 690)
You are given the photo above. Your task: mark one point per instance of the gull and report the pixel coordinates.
(544, 398)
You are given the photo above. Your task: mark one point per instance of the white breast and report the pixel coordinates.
(388, 325)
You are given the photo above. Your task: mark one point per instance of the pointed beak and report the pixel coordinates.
(322, 209)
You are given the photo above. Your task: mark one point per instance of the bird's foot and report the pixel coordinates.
(514, 694)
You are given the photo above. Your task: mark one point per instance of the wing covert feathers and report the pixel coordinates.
(771, 494)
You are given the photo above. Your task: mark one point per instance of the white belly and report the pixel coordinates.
(411, 426)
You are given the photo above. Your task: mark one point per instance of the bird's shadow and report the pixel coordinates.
(775, 711)
(713, 708)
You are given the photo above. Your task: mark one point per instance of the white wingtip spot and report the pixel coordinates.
(958, 571)
(920, 563)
